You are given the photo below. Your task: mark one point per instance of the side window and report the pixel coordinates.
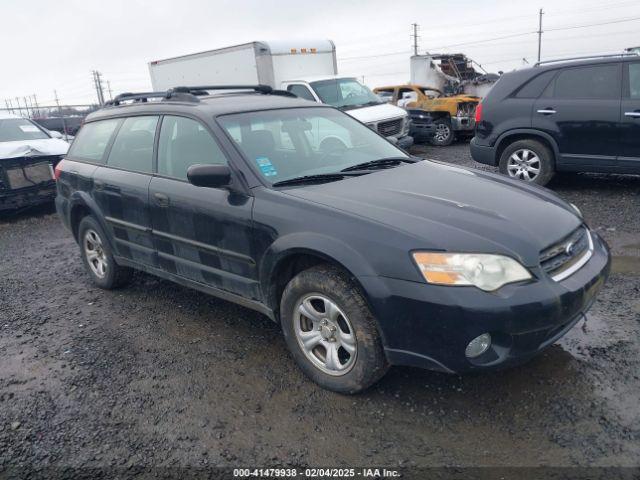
(301, 91)
(534, 87)
(634, 80)
(133, 146)
(600, 81)
(92, 140)
(185, 142)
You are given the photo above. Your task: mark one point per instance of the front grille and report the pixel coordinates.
(566, 256)
(420, 117)
(390, 127)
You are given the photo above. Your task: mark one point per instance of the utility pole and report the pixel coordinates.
(540, 35)
(26, 106)
(98, 84)
(19, 108)
(35, 101)
(415, 38)
(109, 90)
(64, 125)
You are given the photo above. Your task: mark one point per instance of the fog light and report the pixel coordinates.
(478, 346)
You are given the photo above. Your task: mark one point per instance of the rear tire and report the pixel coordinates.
(527, 160)
(343, 349)
(443, 135)
(98, 257)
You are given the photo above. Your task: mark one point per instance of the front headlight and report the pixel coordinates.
(485, 271)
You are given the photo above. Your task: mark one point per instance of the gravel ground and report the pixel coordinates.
(159, 375)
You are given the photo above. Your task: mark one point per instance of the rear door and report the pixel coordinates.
(203, 234)
(629, 159)
(580, 109)
(121, 189)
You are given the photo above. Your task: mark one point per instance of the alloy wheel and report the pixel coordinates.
(524, 164)
(442, 132)
(94, 251)
(325, 334)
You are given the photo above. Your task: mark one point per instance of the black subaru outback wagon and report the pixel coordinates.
(365, 256)
(574, 116)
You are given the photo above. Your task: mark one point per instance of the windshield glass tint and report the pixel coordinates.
(344, 92)
(283, 144)
(16, 129)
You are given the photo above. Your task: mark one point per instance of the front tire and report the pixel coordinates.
(443, 135)
(98, 257)
(527, 160)
(330, 330)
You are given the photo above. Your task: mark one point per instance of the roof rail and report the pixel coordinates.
(191, 94)
(200, 90)
(588, 57)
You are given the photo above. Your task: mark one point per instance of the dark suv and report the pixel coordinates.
(574, 116)
(364, 255)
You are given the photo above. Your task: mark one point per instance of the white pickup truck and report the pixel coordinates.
(306, 69)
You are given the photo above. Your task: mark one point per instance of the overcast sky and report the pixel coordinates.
(47, 45)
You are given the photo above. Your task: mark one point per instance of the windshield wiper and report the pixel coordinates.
(380, 163)
(318, 178)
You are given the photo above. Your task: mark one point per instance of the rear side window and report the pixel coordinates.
(133, 146)
(92, 140)
(634, 80)
(600, 81)
(301, 91)
(534, 87)
(185, 142)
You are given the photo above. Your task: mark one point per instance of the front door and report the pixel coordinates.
(629, 159)
(121, 189)
(581, 110)
(202, 234)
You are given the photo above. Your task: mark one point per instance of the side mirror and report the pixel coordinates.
(212, 176)
(55, 134)
(393, 140)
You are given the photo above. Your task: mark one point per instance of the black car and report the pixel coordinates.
(573, 116)
(365, 256)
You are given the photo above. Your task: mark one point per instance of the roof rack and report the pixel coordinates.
(588, 57)
(191, 94)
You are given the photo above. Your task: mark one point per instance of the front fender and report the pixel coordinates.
(316, 244)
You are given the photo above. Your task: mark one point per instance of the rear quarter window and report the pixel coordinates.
(92, 140)
(133, 147)
(534, 87)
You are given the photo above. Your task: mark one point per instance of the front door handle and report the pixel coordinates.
(635, 114)
(161, 199)
(547, 111)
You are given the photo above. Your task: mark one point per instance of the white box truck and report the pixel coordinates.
(307, 69)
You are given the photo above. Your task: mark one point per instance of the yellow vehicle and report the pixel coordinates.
(435, 117)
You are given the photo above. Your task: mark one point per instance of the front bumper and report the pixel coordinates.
(462, 124)
(483, 153)
(405, 142)
(429, 326)
(27, 197)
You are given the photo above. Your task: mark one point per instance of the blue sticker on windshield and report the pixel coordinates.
(266, 167)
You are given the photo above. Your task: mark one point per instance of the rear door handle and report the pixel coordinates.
(161, 199)
(547, 111)
(632, 114)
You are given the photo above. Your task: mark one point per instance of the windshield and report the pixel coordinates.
(345, 93)
(16, 129)
(290, 143)
(431, 93)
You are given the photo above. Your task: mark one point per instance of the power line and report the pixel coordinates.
(623, 20)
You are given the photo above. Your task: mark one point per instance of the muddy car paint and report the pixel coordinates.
(241, 241)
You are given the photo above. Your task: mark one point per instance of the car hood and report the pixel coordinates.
(376, 113)
(33, 148)
(454, 209)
